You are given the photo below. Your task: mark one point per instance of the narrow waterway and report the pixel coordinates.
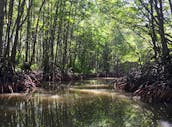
(89, 103)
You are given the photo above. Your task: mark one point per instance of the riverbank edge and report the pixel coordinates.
(156, 92)
(26, 82)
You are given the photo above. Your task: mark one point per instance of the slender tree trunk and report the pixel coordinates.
(61, 10)
(36, 33)
(170, 2)
(18, 21)
(65, 39)
(2, 3)
(8, 30)
(160, 16)
(28, 30)
(53, 31)
(153, 33)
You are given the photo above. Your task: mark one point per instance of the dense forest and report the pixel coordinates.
(67, 39)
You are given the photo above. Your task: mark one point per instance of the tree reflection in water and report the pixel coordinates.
(93, 111)
(76, 110)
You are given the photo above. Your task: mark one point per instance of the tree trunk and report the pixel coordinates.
(8, 30)
(18, 21)
(36, 33)
(153, 33)
(170, 5)
(28, 30)
(61, 10)
(53, 31)
(2, 2)
(160, 16)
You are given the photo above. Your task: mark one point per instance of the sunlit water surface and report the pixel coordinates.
(90, 103)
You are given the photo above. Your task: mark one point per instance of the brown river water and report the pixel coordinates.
(88, 103)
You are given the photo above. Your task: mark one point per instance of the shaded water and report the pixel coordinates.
(91, 103)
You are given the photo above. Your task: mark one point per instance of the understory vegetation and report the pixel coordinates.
(59, 40)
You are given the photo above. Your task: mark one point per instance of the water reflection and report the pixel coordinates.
(93, 111)
(75, 109)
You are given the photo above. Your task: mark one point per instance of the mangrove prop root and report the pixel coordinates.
(153, 84)
(20, 82)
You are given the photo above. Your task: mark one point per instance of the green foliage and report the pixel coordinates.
(89, 36)
(34, 67)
